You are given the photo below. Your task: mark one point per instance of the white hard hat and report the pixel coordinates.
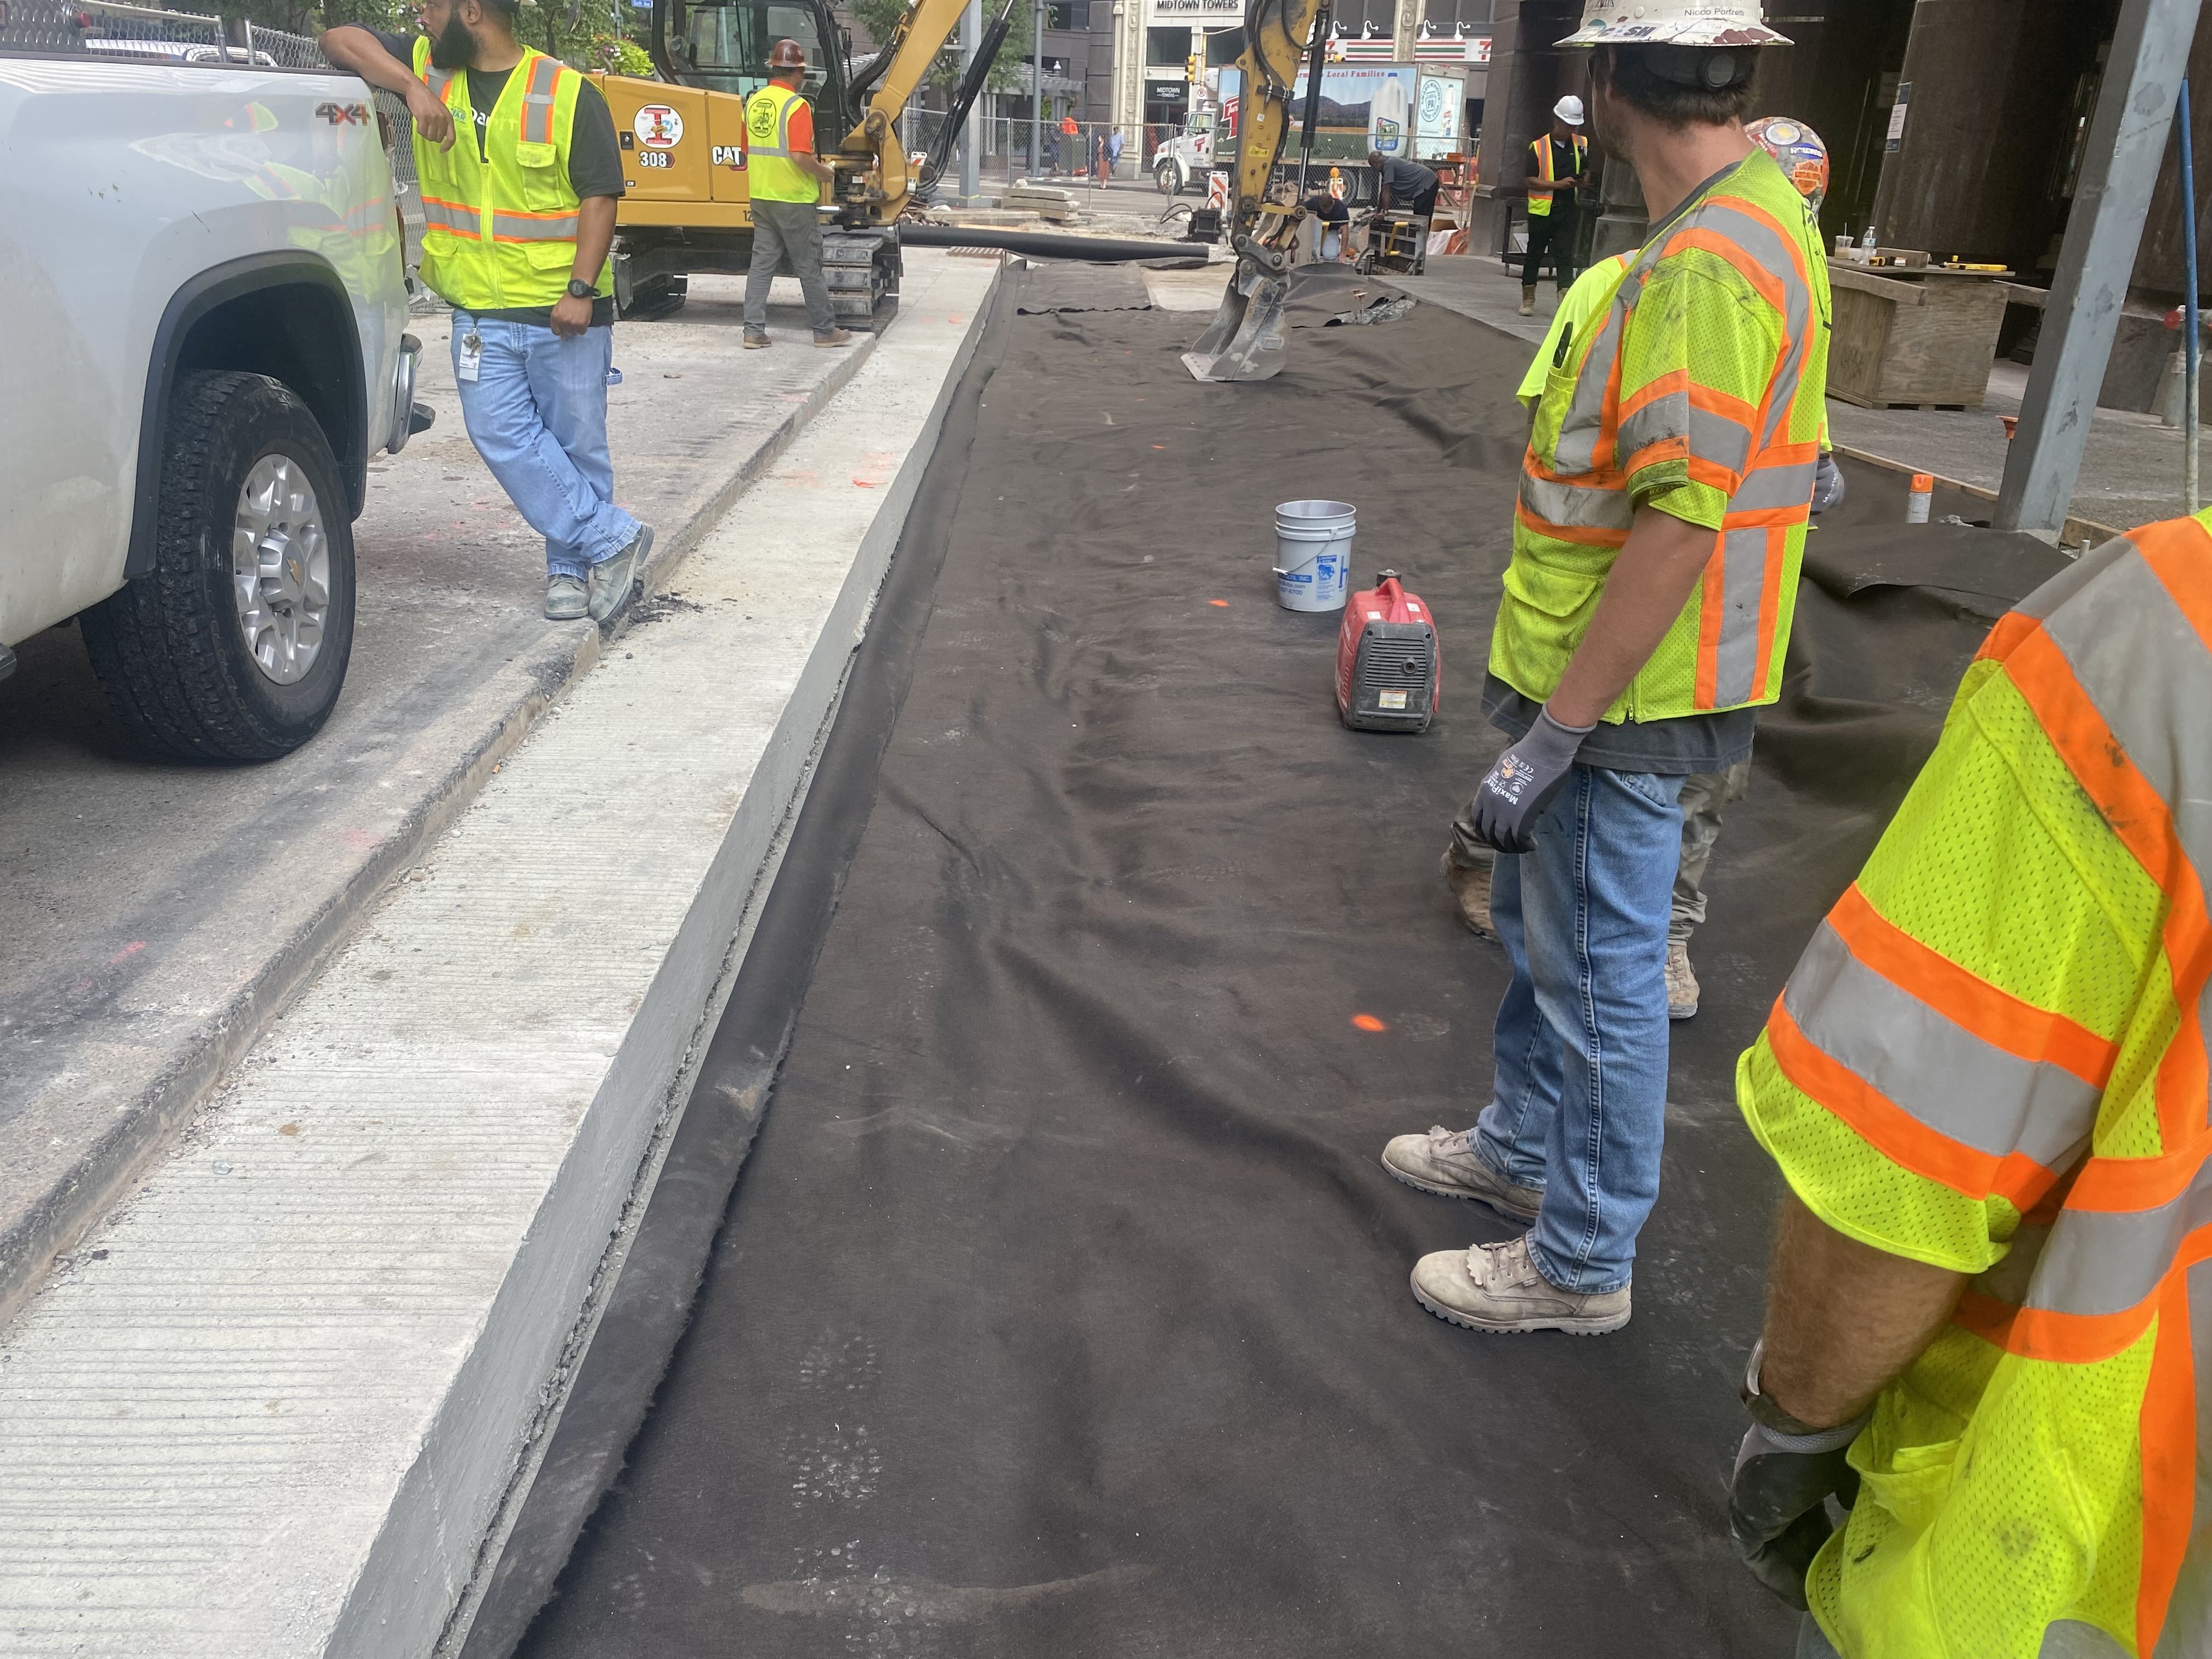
(1674, 23)
(1570, 110)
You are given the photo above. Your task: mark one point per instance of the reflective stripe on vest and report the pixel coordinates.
(500, 225)
(1949, 1076)
(1742, 449)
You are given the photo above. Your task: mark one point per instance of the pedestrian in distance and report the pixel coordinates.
(786, 176)
(1557, 161)
(1984, 1085)
(518, 215)
(1113, 151)
(1664, 499)
(1098, 158)
(1073, 137)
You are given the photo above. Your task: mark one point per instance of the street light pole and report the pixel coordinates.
(971, 149)
(1037, 89)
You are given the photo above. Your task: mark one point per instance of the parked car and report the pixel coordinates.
(206, 347)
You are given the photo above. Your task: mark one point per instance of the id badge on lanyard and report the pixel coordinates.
(469, 364)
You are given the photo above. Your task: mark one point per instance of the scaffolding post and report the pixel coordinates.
(2119, 167)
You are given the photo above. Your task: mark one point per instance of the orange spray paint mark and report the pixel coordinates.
(1224, 603)
(1369, 1023)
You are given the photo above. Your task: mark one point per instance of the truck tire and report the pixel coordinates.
(235, 646)
(1169, 177)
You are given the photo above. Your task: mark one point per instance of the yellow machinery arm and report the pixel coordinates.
(1244, 342)
(872, 145)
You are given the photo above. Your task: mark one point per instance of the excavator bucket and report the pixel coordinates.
(1244, 342)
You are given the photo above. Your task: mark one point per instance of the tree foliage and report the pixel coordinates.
(879, 17)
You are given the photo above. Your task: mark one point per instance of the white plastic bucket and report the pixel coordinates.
(1313, 554)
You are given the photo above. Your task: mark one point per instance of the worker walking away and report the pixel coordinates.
(1988, 1324)
(1558, 160)
(1664, 497)
(787, 189)
(518, 216)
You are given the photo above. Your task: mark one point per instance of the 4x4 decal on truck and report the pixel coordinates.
(344, 115)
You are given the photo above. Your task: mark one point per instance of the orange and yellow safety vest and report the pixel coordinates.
(1993, 1059)
(1697, 389)
(500, 229)
(1548, 175)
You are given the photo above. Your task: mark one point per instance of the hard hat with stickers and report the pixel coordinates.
(1797, 150)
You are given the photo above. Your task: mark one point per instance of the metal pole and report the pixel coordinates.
(2193, 347)
(971, 144)
(1036, 91)
(2127, 139)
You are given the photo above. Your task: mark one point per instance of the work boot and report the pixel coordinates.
(613, 578)
(565, 599)
(1527, 302)
(756, 339)
(1470, 887)
(836, 337)
(1444, 1161)
(1496, 1287)
(1681, 982)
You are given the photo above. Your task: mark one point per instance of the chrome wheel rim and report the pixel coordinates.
(280, 567)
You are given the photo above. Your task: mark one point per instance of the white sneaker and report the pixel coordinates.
(1496, 1287)
(1682, 982)
(1445, 1162)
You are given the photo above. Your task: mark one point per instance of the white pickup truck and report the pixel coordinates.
(200, 272)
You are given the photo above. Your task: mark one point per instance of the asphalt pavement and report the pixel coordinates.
(158, 915)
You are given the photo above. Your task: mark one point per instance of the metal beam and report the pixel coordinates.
(971, 146)
(2119, 167)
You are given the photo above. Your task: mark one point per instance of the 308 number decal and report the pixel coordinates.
(653, 158)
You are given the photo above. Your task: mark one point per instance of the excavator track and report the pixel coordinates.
(863, 268)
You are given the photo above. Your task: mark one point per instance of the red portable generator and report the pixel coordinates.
(1389, 674)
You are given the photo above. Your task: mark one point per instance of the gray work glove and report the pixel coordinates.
(1827, 482)
(1522, 782)
(1777, 1501)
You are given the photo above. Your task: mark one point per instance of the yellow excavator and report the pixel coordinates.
(688, 205)
(1244, 342)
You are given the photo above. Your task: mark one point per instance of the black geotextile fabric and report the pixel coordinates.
(1061, 1308)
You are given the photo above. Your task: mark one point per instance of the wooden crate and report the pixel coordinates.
(1913, 339)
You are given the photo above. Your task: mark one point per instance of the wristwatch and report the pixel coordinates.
(581, 290)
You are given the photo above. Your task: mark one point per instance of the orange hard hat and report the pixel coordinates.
(787, 54)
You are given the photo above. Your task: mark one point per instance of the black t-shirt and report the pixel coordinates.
(1410, 182)
(595, 165)
(1327, 209)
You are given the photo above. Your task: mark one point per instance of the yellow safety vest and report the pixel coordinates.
(775, 176)
(1548, 174)
(499, 230)
(1992, 1059)
(1700, 387)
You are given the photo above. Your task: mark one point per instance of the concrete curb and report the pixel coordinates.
(31, 1242)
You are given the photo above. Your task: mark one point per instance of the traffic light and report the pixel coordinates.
(1194, 70)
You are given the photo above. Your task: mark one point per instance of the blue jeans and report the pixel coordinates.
(1579, 1106)
(537, 414)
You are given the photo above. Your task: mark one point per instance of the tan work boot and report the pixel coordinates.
(756, 339)
(1444, 1162)
(836, 337)
(1527, 302)
(1681, 982)
(1470, 889)
(1496, 1287)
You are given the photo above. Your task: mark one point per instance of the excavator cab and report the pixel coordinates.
(722, 46)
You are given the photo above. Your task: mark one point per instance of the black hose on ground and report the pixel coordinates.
(1044, 244)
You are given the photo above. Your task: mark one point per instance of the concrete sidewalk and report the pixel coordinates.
(158, 915)
(2131, 470)
(280, 1401)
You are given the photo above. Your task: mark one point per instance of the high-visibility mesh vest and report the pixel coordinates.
(1992, 1058)
(775, 176)
(1700, 390)
(499, 230)
(1547, 173)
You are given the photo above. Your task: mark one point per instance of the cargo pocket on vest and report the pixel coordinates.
(544, 185)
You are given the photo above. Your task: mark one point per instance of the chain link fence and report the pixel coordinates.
(114, 29)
